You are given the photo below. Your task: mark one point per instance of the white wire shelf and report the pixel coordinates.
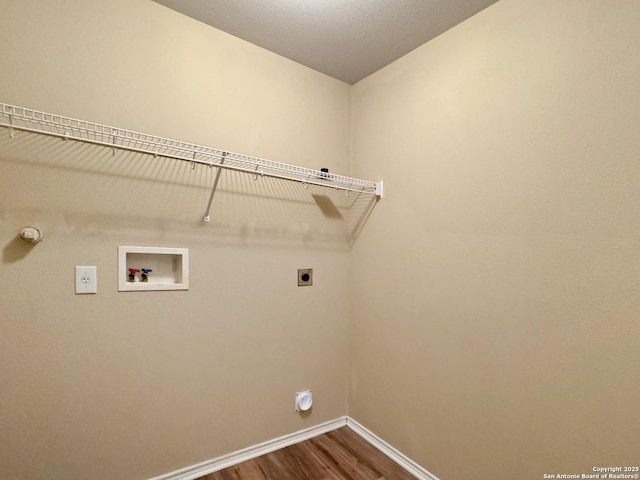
(25, 119)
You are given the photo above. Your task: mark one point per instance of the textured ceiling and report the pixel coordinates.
(346, 39)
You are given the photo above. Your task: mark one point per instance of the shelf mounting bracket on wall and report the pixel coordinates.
(25, 119)
(12, 132)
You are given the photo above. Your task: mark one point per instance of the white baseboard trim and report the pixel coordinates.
(394, 454)
(196, 471)
(225, 461)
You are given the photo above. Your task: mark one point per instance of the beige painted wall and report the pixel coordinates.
(495, 292)
(134, 385)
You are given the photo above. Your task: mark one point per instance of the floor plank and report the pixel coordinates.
(340, 460)
(368, 455)
(338, 455)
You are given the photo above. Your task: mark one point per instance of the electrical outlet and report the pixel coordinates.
(305, 277)
(86, 280)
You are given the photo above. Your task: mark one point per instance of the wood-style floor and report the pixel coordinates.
(338, 455)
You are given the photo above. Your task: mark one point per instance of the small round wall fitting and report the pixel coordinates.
(31, 234)
(304, 400)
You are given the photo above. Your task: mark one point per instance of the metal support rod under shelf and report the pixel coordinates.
(29, 120)
(213, 188)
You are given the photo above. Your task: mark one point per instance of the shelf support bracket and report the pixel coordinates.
(207, 217)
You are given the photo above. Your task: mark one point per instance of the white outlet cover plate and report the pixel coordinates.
(86, 279)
